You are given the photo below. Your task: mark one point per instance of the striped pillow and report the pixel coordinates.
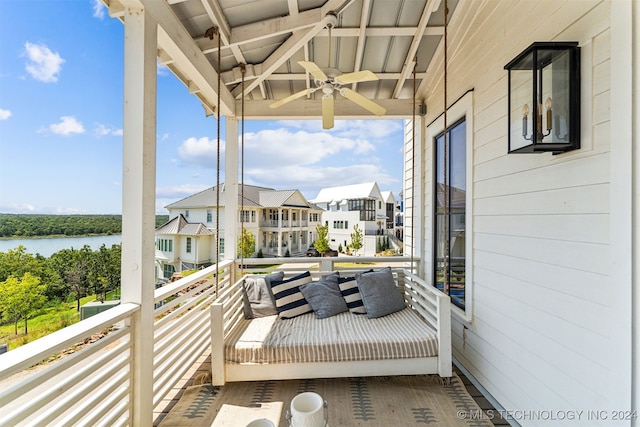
(289, 299)
(351, 294)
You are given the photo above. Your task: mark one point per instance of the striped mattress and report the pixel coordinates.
(343, 337)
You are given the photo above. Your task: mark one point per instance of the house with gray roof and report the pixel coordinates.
(281, 221)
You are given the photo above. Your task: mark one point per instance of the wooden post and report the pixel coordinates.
(138, 204)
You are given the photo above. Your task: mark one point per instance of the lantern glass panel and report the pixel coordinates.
(544, 98)
(522, 106)
(553, 96)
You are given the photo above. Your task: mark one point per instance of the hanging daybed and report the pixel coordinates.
(415, 338)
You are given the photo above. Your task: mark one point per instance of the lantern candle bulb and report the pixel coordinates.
(549, 114)
(525, 113)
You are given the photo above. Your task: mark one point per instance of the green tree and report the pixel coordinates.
(356, 239)
(16, 262)
(104, 269)
(21, 298)
(322, 242)
(73, 266)
(246, 244)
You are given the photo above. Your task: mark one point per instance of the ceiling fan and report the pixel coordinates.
(332, 82)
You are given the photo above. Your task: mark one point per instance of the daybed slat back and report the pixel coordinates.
(438, 305)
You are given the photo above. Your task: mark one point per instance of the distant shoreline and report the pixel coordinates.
(57, 236)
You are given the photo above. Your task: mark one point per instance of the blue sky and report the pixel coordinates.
(61, 90)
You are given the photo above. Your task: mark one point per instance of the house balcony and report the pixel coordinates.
(99, 384)
(284, 224)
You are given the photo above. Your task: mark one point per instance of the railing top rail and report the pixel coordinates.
(338, 259)
(34, 352)
(171, 288)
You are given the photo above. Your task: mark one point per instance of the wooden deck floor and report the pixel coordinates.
(200, 374)
(482, 401)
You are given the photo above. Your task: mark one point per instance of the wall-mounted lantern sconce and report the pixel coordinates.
(544, 98)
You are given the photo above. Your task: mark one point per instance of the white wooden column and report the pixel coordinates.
(624, 384)
(231, 224)
(138, 200)
(280, 214)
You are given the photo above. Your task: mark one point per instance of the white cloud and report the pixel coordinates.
(98, 9)
(310, 179)
(281, 146)
(300, 157)
(103, 130)
(200, 151)
(4, 114)
(17, 208)
(370, 129)
(68, 125)
(42, 64)
(161, 69)
(177, 192)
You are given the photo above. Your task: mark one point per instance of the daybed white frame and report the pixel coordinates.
(432, 305)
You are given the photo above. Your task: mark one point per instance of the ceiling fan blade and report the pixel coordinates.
(364, 102)
(314, 70)
(327, 112)
(358, 76)
(292, 97)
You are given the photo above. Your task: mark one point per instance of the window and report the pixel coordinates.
(367, 209)
(390, 214)
(168, 270)
(188, 245)
(165, 245)
(186, 213)
(247, 216)
(450, 211)
(221, 248)
(209, 215)
(340, 225)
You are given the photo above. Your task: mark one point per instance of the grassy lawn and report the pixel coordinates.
(352, 264)
(49, 320)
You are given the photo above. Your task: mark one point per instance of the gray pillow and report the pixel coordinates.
(257, 297)
(324, 296)
(380, 295)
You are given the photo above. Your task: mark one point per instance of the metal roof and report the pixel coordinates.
(267, 39)
(253, 197)
(180, 225)
(208, 198)
(290, 198)
(367, 190)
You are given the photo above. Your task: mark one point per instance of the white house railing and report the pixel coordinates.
(94, 385)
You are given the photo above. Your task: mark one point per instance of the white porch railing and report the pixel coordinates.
(93, 386)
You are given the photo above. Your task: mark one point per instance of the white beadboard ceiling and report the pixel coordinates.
(269, 37)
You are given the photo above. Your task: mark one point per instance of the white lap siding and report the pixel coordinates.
(540, 334)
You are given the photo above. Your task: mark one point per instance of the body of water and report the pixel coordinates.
(47, 247)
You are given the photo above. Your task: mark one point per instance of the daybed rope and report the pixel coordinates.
(445, 249)
(413, 166)
(242, 69)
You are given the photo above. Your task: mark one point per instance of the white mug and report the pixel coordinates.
(308, 410)
(263, 422)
